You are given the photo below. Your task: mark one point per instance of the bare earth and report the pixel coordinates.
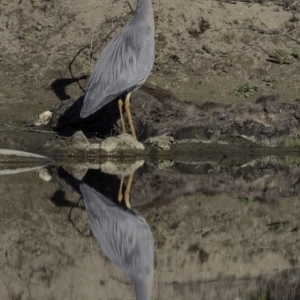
(41, 255)
(39, 40)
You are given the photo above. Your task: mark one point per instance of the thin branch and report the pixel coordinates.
(208, 50)
(129, 6)
(71, 63)
(37, 130)
(293, 39)
(259, 30)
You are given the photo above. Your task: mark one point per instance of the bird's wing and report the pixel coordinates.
(125, 62)
(96, 204)
(117, 231)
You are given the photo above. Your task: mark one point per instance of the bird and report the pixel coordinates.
(123, 66)
(124, 236)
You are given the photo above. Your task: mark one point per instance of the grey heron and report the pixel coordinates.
(124, 65)
(124, 237)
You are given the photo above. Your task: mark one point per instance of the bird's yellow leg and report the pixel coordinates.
(127, 108)
(127, 191)
(120, 194)
(120, 103)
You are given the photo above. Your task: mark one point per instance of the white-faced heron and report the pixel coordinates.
(124, 65)
(124, 237)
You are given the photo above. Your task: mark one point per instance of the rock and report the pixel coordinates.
(271, 107)
(120, 168)
(297, 112)
(78, 171)
(123, 141)
(296, 5)
(110, 144)
(162, 142)
(44, 174)
(93, 146)
(78, 141)
(43, 119)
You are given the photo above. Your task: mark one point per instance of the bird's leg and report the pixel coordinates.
(127, 191)
(120, 103)
(120, 194)
(127, 108)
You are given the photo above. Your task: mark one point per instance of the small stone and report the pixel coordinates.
(44, 174)
(164, 146)
(162, 142)
(130, 141)
(78, 171)
(118, 168)
(270, 107)
(155, 139)
(165, 164)
(297, 113)
(123, 141)
(78, 140)
(109, 144)
(93, 146)
(44, 118)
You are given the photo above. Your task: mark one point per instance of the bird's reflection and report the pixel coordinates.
(124, 237)
(127, 190)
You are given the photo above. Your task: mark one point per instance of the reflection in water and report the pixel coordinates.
(263, 182)
(124, 237)
(222, 231)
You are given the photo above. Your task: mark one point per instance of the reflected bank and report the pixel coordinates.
(227, 231)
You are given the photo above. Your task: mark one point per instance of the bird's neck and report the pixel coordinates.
(144, 11)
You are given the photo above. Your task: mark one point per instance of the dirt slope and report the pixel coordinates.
(39, 40)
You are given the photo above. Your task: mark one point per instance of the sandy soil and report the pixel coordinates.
(42, 256)
(40, 39)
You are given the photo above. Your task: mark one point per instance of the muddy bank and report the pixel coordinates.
(266, 122)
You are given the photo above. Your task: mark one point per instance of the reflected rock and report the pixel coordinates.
(263, 180)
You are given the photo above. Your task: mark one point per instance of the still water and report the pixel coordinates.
(195, 231)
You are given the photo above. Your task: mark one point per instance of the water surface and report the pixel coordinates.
(220, 231)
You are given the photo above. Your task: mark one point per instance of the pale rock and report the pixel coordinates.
(43, 119)
(162, 142)
(120, 168)
(123, 141)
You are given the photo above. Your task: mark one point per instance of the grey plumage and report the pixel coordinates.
(124, 237)
(125, 62)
